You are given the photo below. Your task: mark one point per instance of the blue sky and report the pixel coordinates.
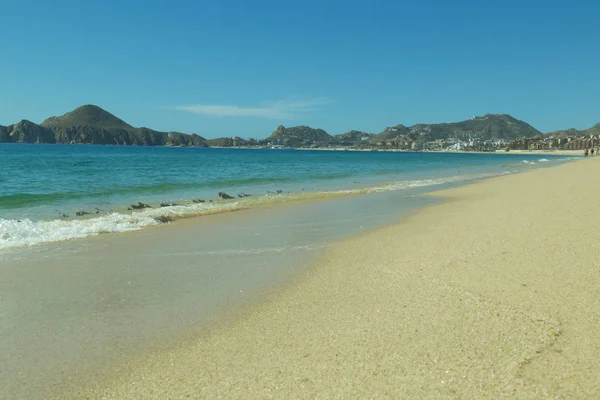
(224, 68)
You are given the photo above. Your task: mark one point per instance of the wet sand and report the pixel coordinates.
(494, 293)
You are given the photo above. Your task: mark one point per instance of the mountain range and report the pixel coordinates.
(90, 124)
(594, 130)
(490, 126)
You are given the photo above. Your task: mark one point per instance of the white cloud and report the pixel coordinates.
(282, 109)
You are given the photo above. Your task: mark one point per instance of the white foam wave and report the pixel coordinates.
(543, 160)
(18, 233)
(25, 232)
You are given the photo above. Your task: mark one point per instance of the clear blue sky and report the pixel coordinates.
(223, 68)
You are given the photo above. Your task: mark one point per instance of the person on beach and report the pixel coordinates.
(585, 153)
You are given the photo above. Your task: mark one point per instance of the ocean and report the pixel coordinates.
(81, 295)
(43, 188)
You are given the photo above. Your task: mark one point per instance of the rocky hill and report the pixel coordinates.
(594, 130)
(26, 132)
(299, 136)
(391, 133)
(490, 126)
(352, 138)
(234, 141)
(90, 124)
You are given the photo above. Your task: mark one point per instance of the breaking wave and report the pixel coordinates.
(26, 232)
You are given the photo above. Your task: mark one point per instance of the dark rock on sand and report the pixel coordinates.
(163, 219)
(139, 206)
(225, 196)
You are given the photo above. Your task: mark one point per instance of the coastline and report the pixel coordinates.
(571, 153)
(497, 304)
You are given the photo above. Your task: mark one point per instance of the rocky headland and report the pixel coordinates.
(91, 124)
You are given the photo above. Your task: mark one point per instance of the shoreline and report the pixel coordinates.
(571, 153)
(454, 311)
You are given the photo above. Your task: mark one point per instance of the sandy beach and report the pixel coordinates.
(570, 153)
(573, 153)
(494, 293)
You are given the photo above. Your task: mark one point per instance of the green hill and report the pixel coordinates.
(299, 136)
(490, 126)
(91, 124)
(352, 138)
(594, 130)
(87, 115)
(391, 133)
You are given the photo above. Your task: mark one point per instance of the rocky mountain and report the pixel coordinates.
(594, 130)
(220, 142)
(91, 124)
(234, 141)
(352, 138)
(26, 132)
(299, 136)
(490, 126)
(391, 133)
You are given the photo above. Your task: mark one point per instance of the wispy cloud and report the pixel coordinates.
(282, 109)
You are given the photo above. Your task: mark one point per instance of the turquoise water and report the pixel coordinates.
(42, 187)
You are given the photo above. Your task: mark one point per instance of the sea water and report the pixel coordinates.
(43, 188)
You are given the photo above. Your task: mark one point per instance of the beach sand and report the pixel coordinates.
(569, 153)
(494, 293)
